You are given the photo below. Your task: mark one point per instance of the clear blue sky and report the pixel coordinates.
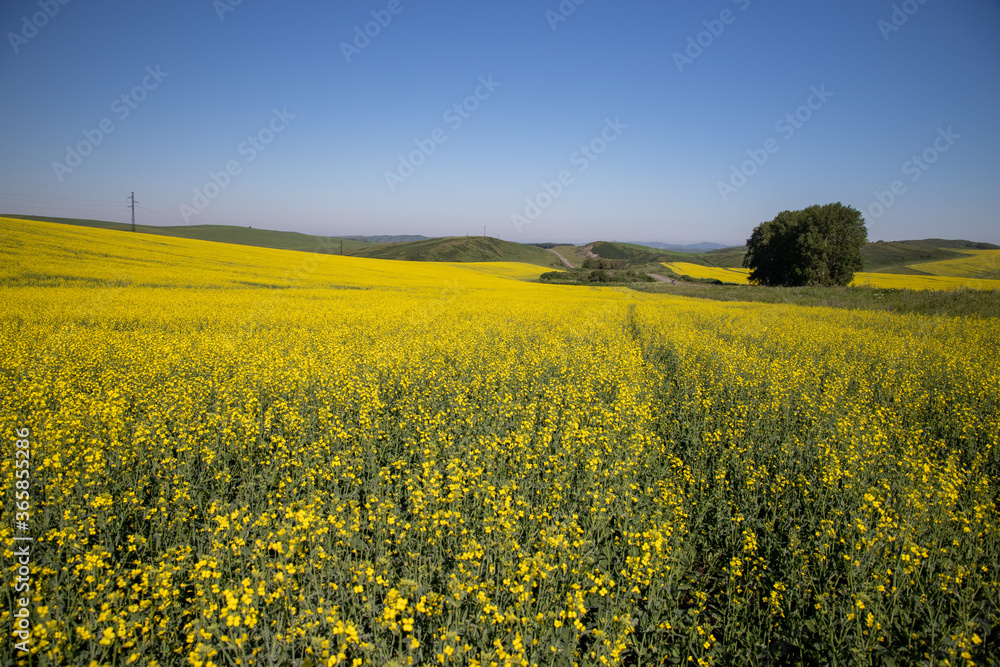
(930, 83)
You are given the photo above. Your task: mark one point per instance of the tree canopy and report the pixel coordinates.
(819, 245)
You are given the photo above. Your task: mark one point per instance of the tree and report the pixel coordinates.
(819, 245)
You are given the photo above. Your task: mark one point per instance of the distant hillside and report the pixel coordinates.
(385, 238)
(549, 246)
(879, 257)
(639, 254)
(260, 238)
(960, 244)
(895, 256)
(726, 258)
(461, 249)
(691, 247)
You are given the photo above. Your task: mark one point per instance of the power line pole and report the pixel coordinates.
(133, 211)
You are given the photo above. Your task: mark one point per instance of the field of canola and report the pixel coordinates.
(374, 462)
(983, 264)
(979, 270)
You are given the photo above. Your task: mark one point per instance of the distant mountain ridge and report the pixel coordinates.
(387, 238)
(691, 247)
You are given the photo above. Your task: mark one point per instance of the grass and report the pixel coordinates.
(725, 260)
(731, 258)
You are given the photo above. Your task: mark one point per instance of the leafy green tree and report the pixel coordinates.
(819, 245)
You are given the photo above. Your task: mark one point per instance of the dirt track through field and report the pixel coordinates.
(564, 260)
(663, 279)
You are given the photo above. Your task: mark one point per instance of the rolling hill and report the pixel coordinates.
(977, 264)
(727, 258)
(942, 257)
(694, 248)
(388, 238)
(899, 256)
(260, 238)
(635, 253)
(461, 249)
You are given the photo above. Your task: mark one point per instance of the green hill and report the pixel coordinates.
(462, 249)
(896, 256)
(388, 238)
(959, 244)
(640, 254)
(726, 258)
(261, 238)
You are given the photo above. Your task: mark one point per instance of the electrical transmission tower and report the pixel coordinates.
(133, 210)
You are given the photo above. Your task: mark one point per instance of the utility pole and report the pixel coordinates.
(133, 211)
(341, 247)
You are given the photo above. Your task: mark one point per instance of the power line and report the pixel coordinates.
(103, 209)
(14, 195)
(163, 216)
(57, 187)
(133, 211)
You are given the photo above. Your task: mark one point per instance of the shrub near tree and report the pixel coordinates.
(819, 245)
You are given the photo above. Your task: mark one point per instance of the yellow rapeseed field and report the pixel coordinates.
(979, 271)
(981, 264)
(918, 282)
(242, 456)
(734, 275)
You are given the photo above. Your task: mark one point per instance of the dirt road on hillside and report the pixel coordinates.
(564, 260)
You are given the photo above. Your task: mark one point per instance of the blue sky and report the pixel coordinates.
(644, 120)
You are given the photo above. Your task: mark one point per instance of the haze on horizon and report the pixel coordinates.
(563, 120)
